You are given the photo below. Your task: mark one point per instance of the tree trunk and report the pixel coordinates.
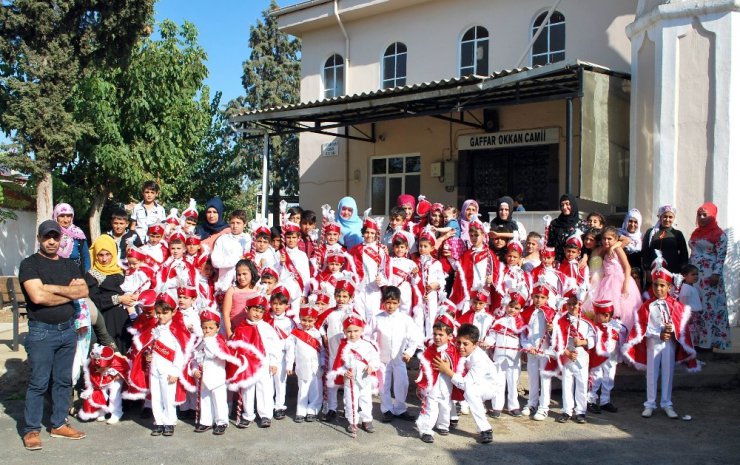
(44, 198)
(96, 209)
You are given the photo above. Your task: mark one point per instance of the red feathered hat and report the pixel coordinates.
(135, 252)
(156, 229)
(187, 291)
(547, 252)
(290, 227)
(270, 271)
(166, 298)
(280, 290)
(207, 315)
(335, 257)
(423, 207)
(345, 284)
(147, 298)
(322, 298)
(515, 296)
(192, 240)
(447, 320)
(481, 295)
(308, 311)
(257, 301)
(603, 306)
(515, 246)
(333, 227)
(353, 321)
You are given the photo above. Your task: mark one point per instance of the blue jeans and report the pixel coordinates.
(51, 351)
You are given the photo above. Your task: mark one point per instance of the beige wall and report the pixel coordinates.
(322, 177)
(432, 30)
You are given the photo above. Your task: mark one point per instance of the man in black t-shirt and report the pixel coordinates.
(50, 284)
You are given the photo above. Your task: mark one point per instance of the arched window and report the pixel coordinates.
(394, 65)
(550, 45)
(474, 52)
(334, 76)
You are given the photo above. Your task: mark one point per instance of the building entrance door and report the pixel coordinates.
(486, 175)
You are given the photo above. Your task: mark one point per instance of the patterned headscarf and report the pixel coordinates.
(69, 234)
(635, 238)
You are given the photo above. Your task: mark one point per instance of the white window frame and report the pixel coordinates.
(476, 42)
(326, 88)
(547, 32)
(388, 201)
(394, 55)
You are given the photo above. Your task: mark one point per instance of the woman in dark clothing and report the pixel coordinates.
(563, 226)
(214, 219)
(669, 241)
(104, 281)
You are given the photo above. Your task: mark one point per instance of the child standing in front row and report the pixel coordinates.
(212, 360)
(257, 343)
(355, 366)
(603, 358)
(478, 382)
(538, 317)
(304, 356)
(433, 386)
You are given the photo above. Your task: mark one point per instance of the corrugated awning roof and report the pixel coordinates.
(438, 99)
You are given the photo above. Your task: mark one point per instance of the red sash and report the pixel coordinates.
(372, 253)
(307, 338)
(164, 351)
(292, 268)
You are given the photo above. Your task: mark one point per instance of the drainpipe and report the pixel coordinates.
(346, 87)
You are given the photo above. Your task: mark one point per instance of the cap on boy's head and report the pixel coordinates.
(515, 296)
(187, 291)
(166, 298)
(290, 227)
(353, 321)
(102, 355)
(269, 271)
(280, 290)
(207, 315)
(401, 236)
(333, 227)
(147, 298)
(322, 298)
(603, 306)
(547, 252)
(662, 273)
(257, 301)
(345, 285)
(423, 207)
(428, 235)
(542, 288)
(135, 252)
(308, 311)
(515, 246)
(192, 240)
(481, 295)
(335, 257)
(155, 229)
(447, 320)
(575, 240)
(48, 227)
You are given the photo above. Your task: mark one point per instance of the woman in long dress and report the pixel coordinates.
(708, 245)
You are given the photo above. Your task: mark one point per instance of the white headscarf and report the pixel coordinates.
(635, 238)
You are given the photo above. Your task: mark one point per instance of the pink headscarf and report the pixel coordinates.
(464, 235)
(67, 241)
(406, 199)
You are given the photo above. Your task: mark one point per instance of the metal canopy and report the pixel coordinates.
(450, 100)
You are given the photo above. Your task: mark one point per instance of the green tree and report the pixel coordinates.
(46, 47)
(148, 121)
(272, 78)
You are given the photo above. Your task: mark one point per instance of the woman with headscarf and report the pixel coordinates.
(73, 243)
(214, 224)
(350, 222)
(670, 241)
(104, 283)
(631, 237)
(708, 245)
(468, 213)
(563, 226)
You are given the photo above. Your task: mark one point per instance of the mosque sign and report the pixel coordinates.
(505, 139)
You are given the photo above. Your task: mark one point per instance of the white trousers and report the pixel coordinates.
(539, 386)
(475, 396)
(279, 381)
(367, 303)
(358, 401)
(310, 396)
(435, 409)
(262, 393)
(113, 393)
(396, 379)
(602, 377)
(661, 359)
(507, 376)
(575, 378)
(163, 400)
(213, 406)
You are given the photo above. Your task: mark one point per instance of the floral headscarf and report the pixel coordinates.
(69, 234)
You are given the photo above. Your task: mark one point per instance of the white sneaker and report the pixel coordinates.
(464, 410)
(540, 416)
(647, 413)
(101, 418)
(113, 420)
(670, 413)
(527, 411)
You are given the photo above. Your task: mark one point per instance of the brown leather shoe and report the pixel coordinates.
(67, 432)
(32, 440)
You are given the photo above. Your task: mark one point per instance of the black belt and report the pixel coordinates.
(51, 326)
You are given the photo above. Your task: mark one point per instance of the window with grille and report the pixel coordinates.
(392, 176)
(550, 45)
(474, 52)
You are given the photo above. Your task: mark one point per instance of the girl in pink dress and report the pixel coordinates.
(235, 300)
(616, 283)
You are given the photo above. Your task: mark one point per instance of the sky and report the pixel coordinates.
(223, 32)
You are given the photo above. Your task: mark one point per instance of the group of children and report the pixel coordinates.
(220, 331)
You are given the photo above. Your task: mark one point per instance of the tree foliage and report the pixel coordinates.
(46, 46)
(271, 78)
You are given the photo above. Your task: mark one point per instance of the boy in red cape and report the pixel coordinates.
(435, 391)
(478, 267)
(105, 374)
(256, 343)
(603, 358)
(659, 339)
(158, 359)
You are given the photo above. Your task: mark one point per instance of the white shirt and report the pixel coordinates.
(145, 218)
(396, 334)
(480, 371)
(307, 360)
(212, 368)
(160, 366)
(227, 251)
